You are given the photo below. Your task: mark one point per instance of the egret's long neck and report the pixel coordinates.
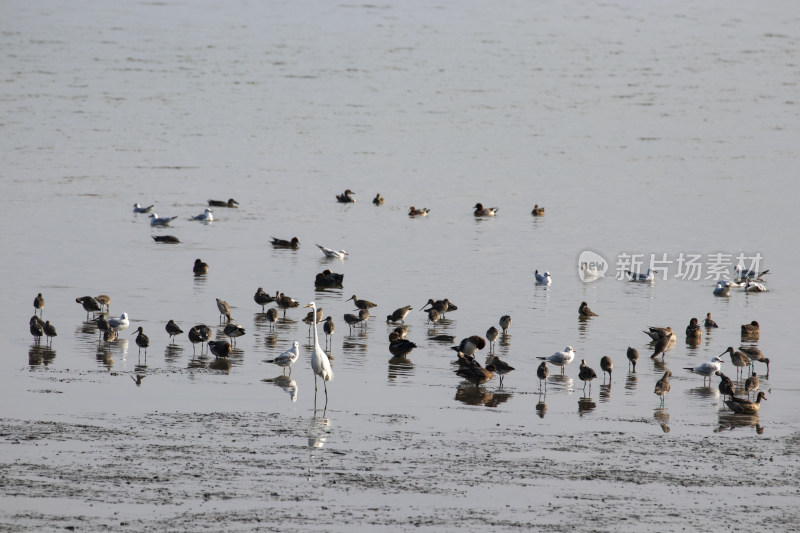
(314, 318)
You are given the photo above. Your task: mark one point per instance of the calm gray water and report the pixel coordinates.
(651, 129)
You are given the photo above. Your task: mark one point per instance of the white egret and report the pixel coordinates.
(320, 363)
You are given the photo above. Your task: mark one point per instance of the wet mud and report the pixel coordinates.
(272, 472)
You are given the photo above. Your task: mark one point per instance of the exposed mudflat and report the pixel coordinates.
(270, 472)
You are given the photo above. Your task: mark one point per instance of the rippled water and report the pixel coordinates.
(643, 129)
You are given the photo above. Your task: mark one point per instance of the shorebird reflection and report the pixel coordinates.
(400, 366)
(286, 383)
(585, 404)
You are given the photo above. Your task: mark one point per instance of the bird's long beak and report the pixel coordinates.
(307, 305)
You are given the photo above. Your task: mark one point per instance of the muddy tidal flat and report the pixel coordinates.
(271, 472)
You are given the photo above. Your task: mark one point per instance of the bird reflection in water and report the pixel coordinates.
(39, 355)
(104, 356)
(139, 375)
(172, 353)
(703, 393)
(662, 417)
(318, 430)
(541, 407)
(201, 361)
(286, 383)
(498, 398)
(222, 364)
(585, 404)
(472, 394)
(605, 393)
(561, 381)
(630, 382)
(660, 365)
(400, 366)
(730, 420)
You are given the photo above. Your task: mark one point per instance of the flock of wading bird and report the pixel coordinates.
(467, 366)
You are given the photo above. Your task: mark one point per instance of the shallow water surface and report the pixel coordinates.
(662, 130)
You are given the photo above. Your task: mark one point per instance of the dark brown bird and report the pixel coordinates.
(361, 304)
(38, 303)
(173, 329)
(285, 302)
(272, 317)
(414, 212)
(633, 357)
(142, 340)
(293, 243)
(537, 211)
(200, 268)
(584, 310)
(328, 328)
(491, 336)
(709, 322)
(37, 328)
(345, 197)
(475, 373)
(220, 348)
(543, 373)
(481, 211)
(222, 203)
(662, 386)
(262, 298)
(505, 323)
(751, 384)
(660, 347)
(586, 375)
(746, 407)
(755, 354)
(49, 330)
(200, 333)
(501, 368)
(726, 386)
(328, 278)
(470, 345)
(398, 346)
(693, 330)
(166, 239)
(751, 329)
(232, 331)
(351, 320)
(399, 315)
(90, 305)
(606, 365)
(378, 200)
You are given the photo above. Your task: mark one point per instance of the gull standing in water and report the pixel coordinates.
(139, 209)
(119, 324)
(156, 220)
(561, 359)
(320, 363)
(707, 369)
(205, 216)
(287, 358)
(333, 254)
(542, 279)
